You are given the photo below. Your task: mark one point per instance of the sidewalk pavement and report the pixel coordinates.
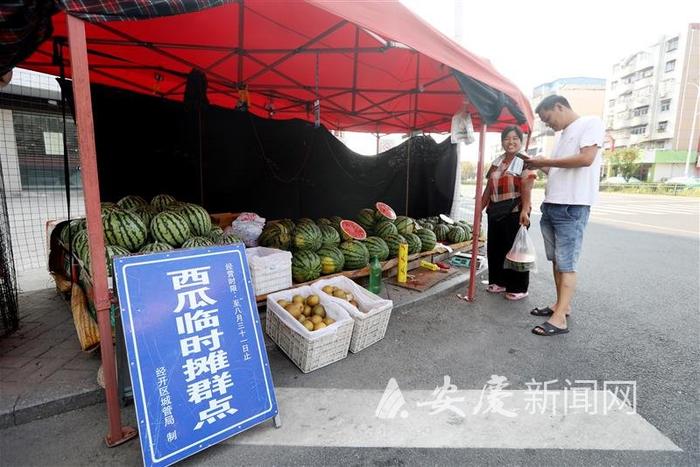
(43, 372)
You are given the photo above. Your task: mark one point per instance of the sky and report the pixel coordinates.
(538, 41)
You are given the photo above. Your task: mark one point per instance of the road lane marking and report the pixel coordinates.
(317, 417)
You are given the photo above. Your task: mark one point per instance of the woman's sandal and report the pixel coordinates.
(546, 311)
(547, 329)
(515, 295)
(495, 288)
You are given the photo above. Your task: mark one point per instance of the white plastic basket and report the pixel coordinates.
(309, 350)
(371, 320)
(270, 269)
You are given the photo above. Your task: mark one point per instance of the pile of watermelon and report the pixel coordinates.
(133, 225)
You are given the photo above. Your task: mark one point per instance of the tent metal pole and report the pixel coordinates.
(241, 24)
(117, 433)
(476, 227)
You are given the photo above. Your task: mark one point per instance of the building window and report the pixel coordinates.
(53, 143)
(670, 66)
(639, 111)
(611, 103)
(672, 44)
(639, 130)
(647, 72)
(628, 79)
(665, 105)
(662, 126)
(613, 85)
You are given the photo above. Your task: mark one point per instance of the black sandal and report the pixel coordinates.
(548, 329)
(546, 311)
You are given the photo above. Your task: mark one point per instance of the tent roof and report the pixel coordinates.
(374, 66)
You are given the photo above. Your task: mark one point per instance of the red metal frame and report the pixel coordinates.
(117, 434)
(476, 227)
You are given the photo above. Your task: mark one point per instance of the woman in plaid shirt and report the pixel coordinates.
(507, 201)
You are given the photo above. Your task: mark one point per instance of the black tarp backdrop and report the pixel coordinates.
(276, 168)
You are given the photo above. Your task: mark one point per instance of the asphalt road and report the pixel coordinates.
(635, 319)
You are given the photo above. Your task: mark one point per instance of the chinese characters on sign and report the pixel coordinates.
(196, 353)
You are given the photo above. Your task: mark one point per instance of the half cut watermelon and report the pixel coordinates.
(352, 230)
(385, 210)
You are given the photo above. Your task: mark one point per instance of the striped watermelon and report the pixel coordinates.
(215, 234)
(306, 266)
(393, 241)
(197, 217)
(323, 221)
(195, 242)
(414, 243)
(441, 231)
(305, 220)
(229, 239)
(80, 245)
(366, 219)
(125, 229)
(131, 201)
(355, 253)
(171, 228)
(145, 211)
(288, 223)
(175, 206)
(71, 230)
(159, 202)
(307, 236)
(275, 235)
(106, 206)
(404, 225)
(377, 247)
(155, 247)
(382, 229)
(456, 234)
(110, 252)
(332, 259)
(427, 238)
(329, 236)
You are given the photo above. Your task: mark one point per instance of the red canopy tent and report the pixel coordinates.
(371, 66)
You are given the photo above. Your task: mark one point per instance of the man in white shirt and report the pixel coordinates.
(572, 187)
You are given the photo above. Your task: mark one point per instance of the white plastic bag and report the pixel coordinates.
(462, 129)
(522, 256)
(248, 226)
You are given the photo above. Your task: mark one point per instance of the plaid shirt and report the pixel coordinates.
(504, 185)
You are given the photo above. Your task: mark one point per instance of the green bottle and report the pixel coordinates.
(375, 276)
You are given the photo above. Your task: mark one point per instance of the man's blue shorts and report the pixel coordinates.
(562, 227)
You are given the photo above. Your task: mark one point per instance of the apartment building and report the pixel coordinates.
(586, 96)
(652, 95)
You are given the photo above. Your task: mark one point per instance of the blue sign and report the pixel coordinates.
(197, 358)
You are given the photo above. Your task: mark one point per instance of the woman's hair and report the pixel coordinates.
(514, 128)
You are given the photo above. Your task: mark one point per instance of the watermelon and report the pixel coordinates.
(377, 247)
(441, 231)
(197, 217)
(414, 243)
(366, 219)
(329, 236)
(392, 242)
(404, 225)
(70, 230)
(215, 234)
(197, 242)
(288, 223)
(173, 207)
(124, 229)
(352, 231)
(427, 238)
(456, 234)
(106, 206)
(306, 266)
(171, 228)
(110, 252)
(145, 211)
(355, 253)
(305, 220)
(159, 202)
(131, 201)
(155, 247)
(323, 221)
(332, 259)
(229, 239)
(383, 212)
(275, 235)
(307, 236)
(80, 245)
(384, 228)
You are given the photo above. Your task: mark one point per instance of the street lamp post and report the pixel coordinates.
(691, 140)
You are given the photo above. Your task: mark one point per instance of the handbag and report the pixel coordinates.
(498, 211)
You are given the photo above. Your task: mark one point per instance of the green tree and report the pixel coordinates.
(624, 162)
(468, 170)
